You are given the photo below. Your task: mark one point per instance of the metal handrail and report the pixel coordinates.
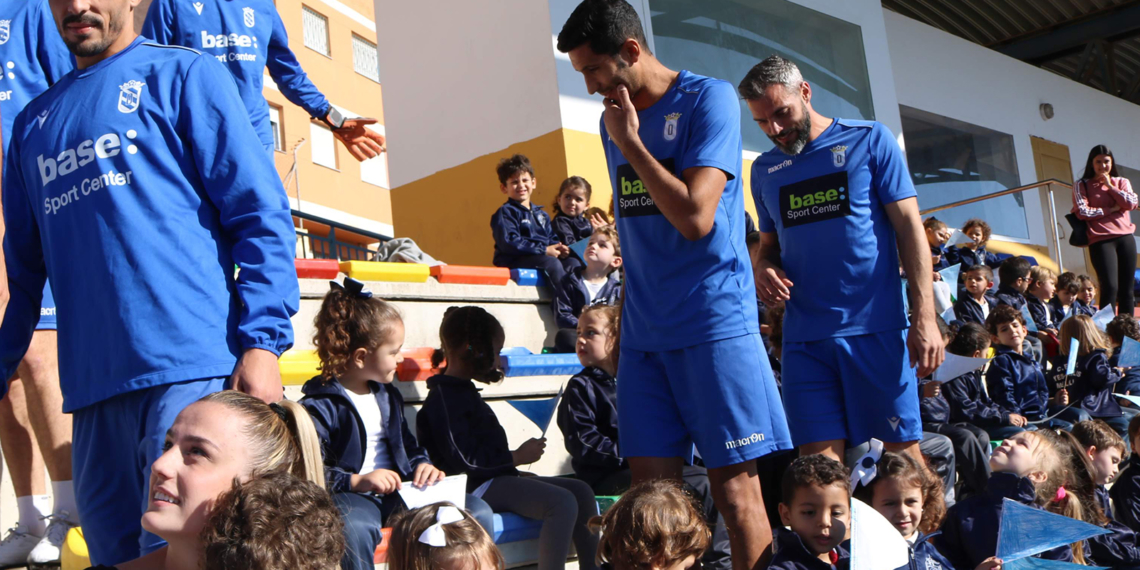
(1052, 208)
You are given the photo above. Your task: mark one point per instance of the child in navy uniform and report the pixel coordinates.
(1087, 295)
(1066, 301)
(976, 303)
(1120, 327)
(463, 435)
(588, 419)
(1125, 490)
(1014, 275)
(1042, 285)
(969, 403)
(816, 505)
(1014, 379)
(524, 234)
(973, 252)
(359, 417)
(911, 499)
(572, 219)
(1089, 389)
(1105, 450)
(937, 234)
(596, 283)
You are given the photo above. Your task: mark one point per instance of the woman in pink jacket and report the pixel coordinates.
(1103, 200)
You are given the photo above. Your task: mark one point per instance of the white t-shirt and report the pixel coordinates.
(376, 453)
(594, 288)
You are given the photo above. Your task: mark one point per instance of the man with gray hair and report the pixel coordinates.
(836, 207)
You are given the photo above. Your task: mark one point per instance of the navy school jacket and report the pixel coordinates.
(969, 257)
(924, 556)
(1007, 295)
(587, 416)
(969, 403)
(969, 311)
(1043, 315)
(520, 232)
(789, 553)
(461, 433)
(943, 262)
(573, 296)
(343, 437)
(1090, 386)
(1125, 494)
(1077, 308)
(969, 532)
(1117, 550)
(935, 409)
(1016, 383)
(571, 230)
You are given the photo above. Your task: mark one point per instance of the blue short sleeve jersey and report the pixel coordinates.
(136, 185)
(248, 37)
(837, 245)
(33, 55)
(681, 293)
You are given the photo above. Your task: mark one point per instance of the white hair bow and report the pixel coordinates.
(434, 534)
(865, 470)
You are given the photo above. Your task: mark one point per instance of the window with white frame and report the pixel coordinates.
(324, 145)
(278, 129)
(365, 58)
(316, 30)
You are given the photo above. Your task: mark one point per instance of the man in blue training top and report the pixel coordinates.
(33, 427)
(836, 207)
(249, 37)
(692, 366)
(136, 183)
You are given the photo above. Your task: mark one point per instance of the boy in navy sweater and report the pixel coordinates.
(1014, 379)
(1065, 301)
(1120, 327)
(1104, 449)
(1014, 274)
(969, 402)
(596, 283)
(976, 304)
(1042, 286)
(816, 505)
(524, 235)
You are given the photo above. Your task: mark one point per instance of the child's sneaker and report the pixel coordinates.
(47, 552)
(15, 547)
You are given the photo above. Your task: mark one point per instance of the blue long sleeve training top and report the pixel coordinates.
(136, 184)
(248, 37)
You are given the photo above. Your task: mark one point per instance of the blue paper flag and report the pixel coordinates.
(906, 300)
(949, 316)
(1074, 348)
(1024, 531)
(1104, 316)
(1029, 324)
(538, 411)
(1043, 564)
(950, 277)
(579, 248)
(1129, 353)
(958, 238)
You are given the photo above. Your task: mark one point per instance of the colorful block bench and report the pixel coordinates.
(529, 277)
(416, 365)
(381, 556)
(518, 361)
(471, 275)
(298, 366)
(386, 271)
(317, 268)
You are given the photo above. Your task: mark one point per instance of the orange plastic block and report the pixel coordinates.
(381, 556)
(416, 366)
(317, 268)
(471, 275)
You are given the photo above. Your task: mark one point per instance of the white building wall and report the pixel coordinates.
(943, 74)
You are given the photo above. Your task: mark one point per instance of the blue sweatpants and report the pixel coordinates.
(114, 443)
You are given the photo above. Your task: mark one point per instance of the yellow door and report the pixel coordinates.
(1052, 161)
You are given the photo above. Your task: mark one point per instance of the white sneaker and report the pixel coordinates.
(47, 552)
(15, 547)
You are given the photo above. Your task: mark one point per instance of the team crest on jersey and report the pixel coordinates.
(671, 125)
(130, 93)
(5, 31)
(839, 156)
(198, 7)
(247, 13)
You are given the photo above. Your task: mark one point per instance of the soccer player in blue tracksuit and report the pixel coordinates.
(673, 147)
(35, 58)
(249, 38)
(136, 183)
(837, 210)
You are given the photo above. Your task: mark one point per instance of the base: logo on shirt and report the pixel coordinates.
(632, 195)
(815, 200)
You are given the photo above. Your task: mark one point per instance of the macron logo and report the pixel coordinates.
(894, 423)
(787, 162)
(42, 117)
(198, 6)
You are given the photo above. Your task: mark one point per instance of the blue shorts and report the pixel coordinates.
(47, 310)
(719, 395)
(852, 388)
(114, 444)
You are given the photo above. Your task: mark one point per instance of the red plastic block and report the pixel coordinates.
(471, 275)
(317, 268)
(381, 556)
(416, 366)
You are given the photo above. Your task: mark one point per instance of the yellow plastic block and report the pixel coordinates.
(73, 555)
(298, 366)
(386, 271)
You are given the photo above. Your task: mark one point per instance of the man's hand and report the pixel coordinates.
(380, 481)
(426, 474)
(926, 347)
(258, 375)
(772, 284)
(621, 119)
(362, 143)
(1017, 420)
